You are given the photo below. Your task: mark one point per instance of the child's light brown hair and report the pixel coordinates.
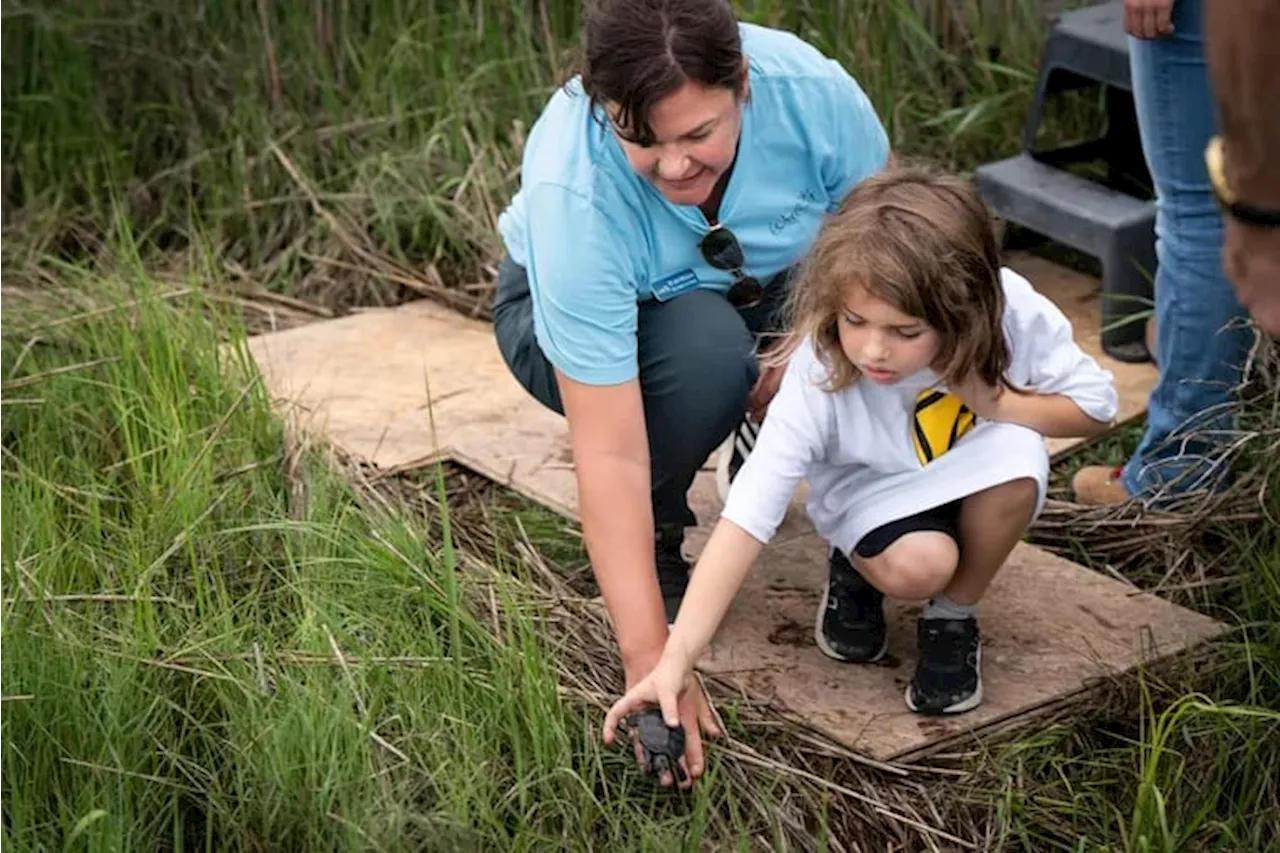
(924, 243)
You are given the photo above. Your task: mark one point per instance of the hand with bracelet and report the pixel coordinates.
(1251, 247)
(1243, 67)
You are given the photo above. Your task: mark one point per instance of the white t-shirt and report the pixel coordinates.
(856, 446)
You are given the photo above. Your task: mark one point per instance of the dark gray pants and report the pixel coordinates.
(697, 364)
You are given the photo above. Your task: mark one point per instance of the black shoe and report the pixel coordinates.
(673, 569)
(850, 625)
(733, 454)
(948, 677)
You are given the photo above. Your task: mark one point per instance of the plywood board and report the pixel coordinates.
(364, 381)
(1049, 628)
(1079, 297)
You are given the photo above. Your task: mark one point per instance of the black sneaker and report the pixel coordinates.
(733, 453)
(850, 625)
(673, 569)
(948, 678)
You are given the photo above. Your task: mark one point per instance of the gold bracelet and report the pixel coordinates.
(1215, 162)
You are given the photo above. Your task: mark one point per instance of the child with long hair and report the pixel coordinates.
(922, 381)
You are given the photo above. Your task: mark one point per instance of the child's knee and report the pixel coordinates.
(915, 567)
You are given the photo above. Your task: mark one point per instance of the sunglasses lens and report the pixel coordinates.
(745, 293)
(722, 250)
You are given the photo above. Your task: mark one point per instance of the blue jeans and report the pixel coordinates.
(1201, 341)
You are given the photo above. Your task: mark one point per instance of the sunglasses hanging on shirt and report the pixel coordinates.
(721, 249)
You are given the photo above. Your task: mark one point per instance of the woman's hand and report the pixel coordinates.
(763, 391)
(1148, 19)
(766, 387)
(673, 688)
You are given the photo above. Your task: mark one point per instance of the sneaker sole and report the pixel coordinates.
(966, 704)
(826, 648)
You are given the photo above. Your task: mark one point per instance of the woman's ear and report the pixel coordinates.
(745, 88)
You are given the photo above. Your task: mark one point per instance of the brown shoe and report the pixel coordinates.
(1099, 485)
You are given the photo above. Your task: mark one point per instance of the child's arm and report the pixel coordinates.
(793, 435)
(716, 579)
(1051, 415)
(1068, 393)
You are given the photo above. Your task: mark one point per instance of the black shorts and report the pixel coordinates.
(943, 519)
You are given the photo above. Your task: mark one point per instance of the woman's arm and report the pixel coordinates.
(611, 458)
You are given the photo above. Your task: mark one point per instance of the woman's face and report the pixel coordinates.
(696, 132)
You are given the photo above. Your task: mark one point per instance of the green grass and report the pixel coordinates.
(212, 640)
(199, 701)
(402, 120)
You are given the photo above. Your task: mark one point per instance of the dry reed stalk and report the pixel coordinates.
(1171, 545)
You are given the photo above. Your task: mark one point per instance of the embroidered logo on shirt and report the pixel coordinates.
(940, 420)
(787, 219)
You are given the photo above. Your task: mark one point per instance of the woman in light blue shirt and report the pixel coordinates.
(666, 193)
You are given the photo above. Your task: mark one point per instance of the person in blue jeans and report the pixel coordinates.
(1201, 341)
(666, 193)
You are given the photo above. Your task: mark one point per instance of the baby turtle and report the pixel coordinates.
(662, 744)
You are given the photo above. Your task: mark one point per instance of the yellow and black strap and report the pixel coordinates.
(940, 420)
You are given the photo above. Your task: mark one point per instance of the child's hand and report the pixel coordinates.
(662, 687)
(982, 399)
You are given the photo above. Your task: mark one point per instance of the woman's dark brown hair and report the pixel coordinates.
(637, 52)
(924, 243)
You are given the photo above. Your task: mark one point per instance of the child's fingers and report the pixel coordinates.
(628, 704)
(669, 702)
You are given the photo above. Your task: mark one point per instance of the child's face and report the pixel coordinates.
(882, 342)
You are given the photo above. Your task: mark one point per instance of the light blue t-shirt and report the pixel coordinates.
(597, 239)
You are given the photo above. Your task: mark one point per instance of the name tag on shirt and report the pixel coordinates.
(674, 284)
